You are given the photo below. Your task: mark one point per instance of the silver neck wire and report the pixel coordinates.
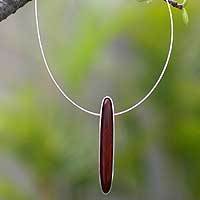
(116, 113)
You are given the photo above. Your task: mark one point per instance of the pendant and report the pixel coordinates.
(106, 144)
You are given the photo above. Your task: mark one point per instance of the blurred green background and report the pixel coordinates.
(49, 149)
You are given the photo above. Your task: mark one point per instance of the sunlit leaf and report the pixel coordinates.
(185, 16)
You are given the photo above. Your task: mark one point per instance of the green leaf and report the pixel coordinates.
(185, 16)
(185, 2)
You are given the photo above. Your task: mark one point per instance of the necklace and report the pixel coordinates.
(107, 114)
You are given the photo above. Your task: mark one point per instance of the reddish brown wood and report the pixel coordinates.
(106, 144)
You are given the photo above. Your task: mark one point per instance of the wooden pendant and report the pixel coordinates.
(106, 144)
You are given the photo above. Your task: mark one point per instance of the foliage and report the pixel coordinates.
(97, 48)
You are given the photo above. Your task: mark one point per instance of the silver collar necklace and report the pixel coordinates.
(107, 114)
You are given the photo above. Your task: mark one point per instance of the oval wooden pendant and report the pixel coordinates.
(106, 144)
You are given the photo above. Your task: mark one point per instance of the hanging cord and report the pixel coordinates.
(123, 111)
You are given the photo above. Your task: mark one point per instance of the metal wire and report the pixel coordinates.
(123, 111)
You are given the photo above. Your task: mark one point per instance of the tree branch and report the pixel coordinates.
(8, 7)
(175, 4)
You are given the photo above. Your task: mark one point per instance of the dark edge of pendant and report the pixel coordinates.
(106, 188)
